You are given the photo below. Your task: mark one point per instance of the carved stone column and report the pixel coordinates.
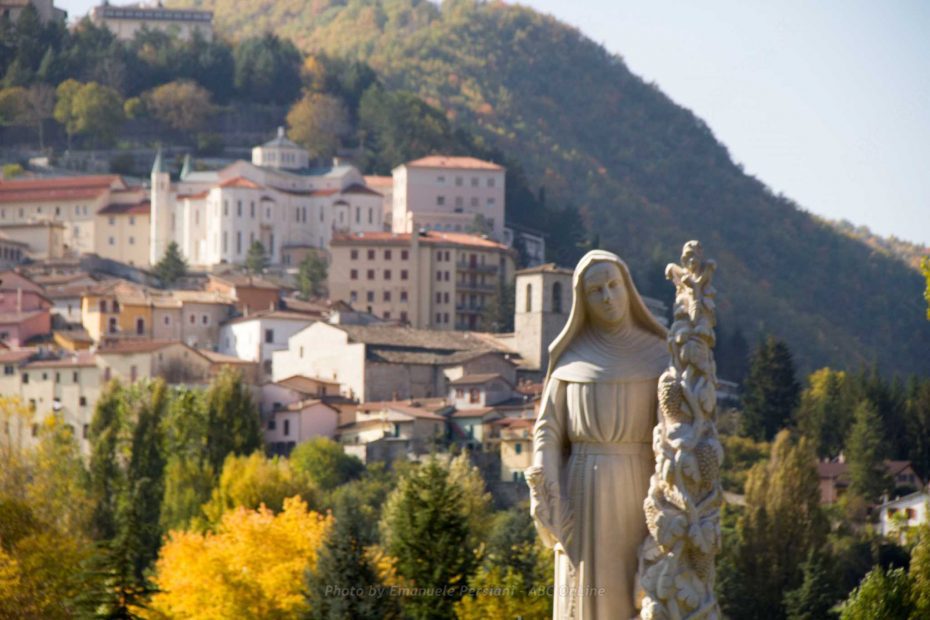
(676, 563)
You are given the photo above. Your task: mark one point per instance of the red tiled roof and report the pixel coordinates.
(81, 358)
(197, 196)
(431, 237)
(379, 181)
(16, 355)
(137, 346)
(240, 182)
(10, 281)
(219, 358)
(61, 188)
(140, 208)
(444, 161)
(358, 188)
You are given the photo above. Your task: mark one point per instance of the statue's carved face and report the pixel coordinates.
(605, 295)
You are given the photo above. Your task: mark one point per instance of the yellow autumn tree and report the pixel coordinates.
(252, 567)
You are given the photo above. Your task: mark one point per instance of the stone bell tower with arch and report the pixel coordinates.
(543, 301)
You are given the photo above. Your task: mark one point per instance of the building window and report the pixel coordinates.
(387, 296)
(386, 315)
(140, 327)
(491, 182)
(518, 448)
(445, 318)
(440, 201)
(371, 255)
(387, 274)
(133, 373)
(371, 215)
(353, 274)
(403, 274)
(193, 319)
(529, 297)
(474, 395)
(25, 377)
(103, 305)
(403, 316)
(353, 254)
(266, 366)
(438, 298)
(167, 320)
(74, 377)
(113, 326)
(85, 430)
(132, 241)
(239, 242)
(439, 276)
(82, 401)
(239, 208)
(269, 336)
(205, 319)
(287, 427)
(112, 241)
(8, 370)
(370, 296)
(557, 297)
(115, 306)
(403, 295)
(404, 255)
(448, 276)
(387, 255)
(371, 274)
(438, 318)
(271, 423)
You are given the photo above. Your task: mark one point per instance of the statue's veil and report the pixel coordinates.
(577, 318)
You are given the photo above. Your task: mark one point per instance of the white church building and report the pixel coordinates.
(215, 216)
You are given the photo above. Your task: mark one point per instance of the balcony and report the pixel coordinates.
(462, 266)
(469, 308)
(480, 288)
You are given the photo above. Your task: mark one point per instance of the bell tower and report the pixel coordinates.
(543, 301)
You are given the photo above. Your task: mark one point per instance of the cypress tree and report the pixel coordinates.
(772, 391)
(865, 452)
(233, 425)
(106, 478)
(172, 266)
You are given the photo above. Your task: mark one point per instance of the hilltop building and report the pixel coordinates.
(454, 194)
(46, 9)
(215, 216)
(125, 21)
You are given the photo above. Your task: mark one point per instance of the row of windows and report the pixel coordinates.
(78, 210)
(460, 181)
(132, 241)
(443, 275)
(387, 254)
(556, 297)
(10, 253)
(386, 296)
(75, 377)
(112, 220)
(442, 297)
(386, 275)
(442, 318)
(460, 202)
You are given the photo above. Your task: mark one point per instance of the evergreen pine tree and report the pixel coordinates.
(918, 425)
(172, 266)
(106, 478)
(233, 425)
(826, 412)
(771, 392)
(865, 452)
(311, 276)
(816, 596)
(343, 566)
(427, 531)
(256, 260)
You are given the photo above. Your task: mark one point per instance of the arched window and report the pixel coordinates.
(557, 298)
(529, 297)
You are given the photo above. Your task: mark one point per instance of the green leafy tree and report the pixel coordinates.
(782, 523)
(12, 105)
(919, 573)
(189, 477)
(815, 597)
(325, 463)
(318, 122)
(925, 269)
(256, 260)
(771, 391)
(865, 452)
(40, 106)
(252, 481)
(882, 594)
(344, 566)
(426, 529)
(311, 276)
(825, 413)
(182, 105)
(89, 108)
(172, 266)
(232, 419)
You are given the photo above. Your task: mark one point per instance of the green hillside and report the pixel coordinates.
(645, 173)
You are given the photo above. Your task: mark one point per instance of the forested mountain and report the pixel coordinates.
(645, 173)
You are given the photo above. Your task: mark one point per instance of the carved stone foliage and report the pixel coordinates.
(676, 563)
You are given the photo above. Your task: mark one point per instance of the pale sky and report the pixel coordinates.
(825, 101)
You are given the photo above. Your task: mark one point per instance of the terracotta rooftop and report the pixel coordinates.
(546, 268)
(380, 181)
(444, 161)
(220, 358)
(358, 188)
(279, 315)
(305, 385)
(59, 188)
(476, 379)
(12, 356)
(409, 408)
(240, 182)
(10, 281)
(79, 359)
(431, 237)
(477, 412)
(12, 318)
(128, 347)
(239, 279)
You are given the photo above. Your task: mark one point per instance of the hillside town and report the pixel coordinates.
(279, 289)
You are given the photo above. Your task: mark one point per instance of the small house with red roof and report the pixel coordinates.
(25, 310)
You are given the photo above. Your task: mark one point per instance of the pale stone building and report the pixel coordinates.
(541, 306)
(43, 239)
(255, 337)
(125, 21)
(46, 9)
(374, 362)
(899, 515)
(435, 280)
(455, 194)
(394, 430)
(72, 201)
(122, 232)
(215, 216)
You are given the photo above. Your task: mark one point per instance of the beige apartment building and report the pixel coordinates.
(123, 232)
(449, 194)
(73, 201)
(435, 280)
